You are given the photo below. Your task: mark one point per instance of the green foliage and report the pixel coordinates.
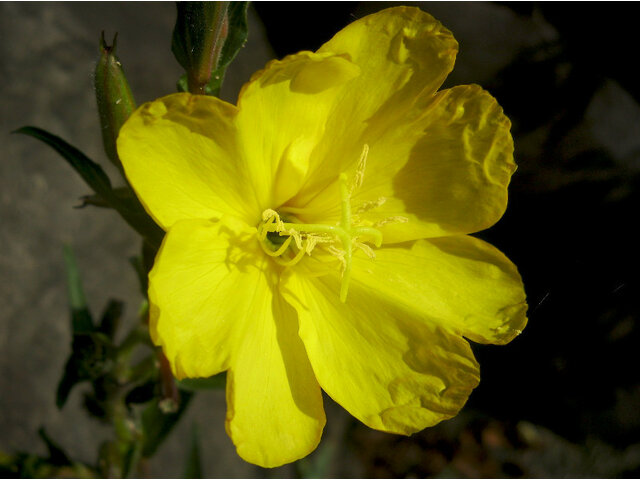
(114, 97)
(157, 425)
(128, 206)
(81, 321)
(56, 464)
(110, 319)
(91, 349)
(142, 264)
(206, 38)
(57, 455)
(238, 33)
(142, 402)
(318, 464)
(91, 357)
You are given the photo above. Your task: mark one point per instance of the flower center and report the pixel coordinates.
(287, 240)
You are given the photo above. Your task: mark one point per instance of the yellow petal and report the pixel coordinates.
(444, 169)
(274, 403)
(456, 159)
(461, 283)
(213, 309)
(402, 53)
(180, 155)
(201, 290)
(283, 113)
(376, 359)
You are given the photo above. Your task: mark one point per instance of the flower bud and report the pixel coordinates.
(198, 37)
(115, 101)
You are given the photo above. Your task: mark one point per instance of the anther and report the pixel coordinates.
(307, 236)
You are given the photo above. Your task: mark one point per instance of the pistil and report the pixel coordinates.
(307, 235)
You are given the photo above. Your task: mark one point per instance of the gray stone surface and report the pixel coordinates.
(47, 56)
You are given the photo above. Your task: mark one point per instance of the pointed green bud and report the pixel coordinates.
(115, 101)
(198, 36)
(206, 38)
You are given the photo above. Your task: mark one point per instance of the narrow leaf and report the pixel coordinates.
(236, 39)
(124, 194)
(128, 207)
(57, 456)
(81, 321)
(90, 171)
(111, 318)
(91, 357)
(238, 33)
(318, 464)
(142, 393)
(157, 425)
(67, 382)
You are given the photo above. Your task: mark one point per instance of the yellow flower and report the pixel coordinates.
(317, 235)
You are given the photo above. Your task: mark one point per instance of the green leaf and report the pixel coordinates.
(90, 171)
(142, 393)
(81, 321)
(69, 380)
(25, 465)
(237, 36)
(183, 84)
(57, 456)
(111, 318)
(132, 459)
(318, 464)
(215, 382)
(128, 207)
(236, 39)
(91, 357)
(95, 406)
(156, 425)
(91, 350)
(193, 466)
(109, 463)
(124, 194)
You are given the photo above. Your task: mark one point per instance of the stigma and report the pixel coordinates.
(287, 241)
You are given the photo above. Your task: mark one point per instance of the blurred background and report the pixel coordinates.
(562, 400)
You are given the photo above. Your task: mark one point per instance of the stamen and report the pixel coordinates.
(336, 252)
(371, 232)
(388, 220)
(366, 249)
(280, 251)
(307, 235)
(370, 205)
(360, 168)
(293, 261)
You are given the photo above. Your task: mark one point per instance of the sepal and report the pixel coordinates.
(114, 97)
(206, 38)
